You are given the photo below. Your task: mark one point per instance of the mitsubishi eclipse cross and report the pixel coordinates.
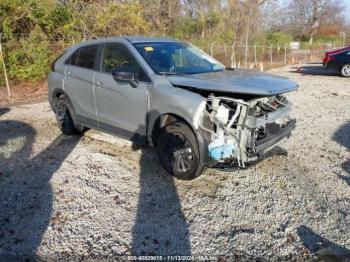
(171, 95)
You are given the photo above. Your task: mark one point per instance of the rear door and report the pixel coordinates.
(121, 105)
(78, 83)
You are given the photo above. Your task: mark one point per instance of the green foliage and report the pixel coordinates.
(109, 19)
(11, 17)
(227, 37)
(184, 29)
(29, 59)
(120, 19)
(2, 77)
(323, 43)
(278, 38)
(57, 23)
(193, 29)
(29, 28)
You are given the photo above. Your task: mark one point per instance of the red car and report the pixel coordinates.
(326, 58)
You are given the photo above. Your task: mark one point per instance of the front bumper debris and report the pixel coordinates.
(271, 140)
(242, 132)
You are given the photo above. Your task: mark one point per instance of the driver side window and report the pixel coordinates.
(117, 56)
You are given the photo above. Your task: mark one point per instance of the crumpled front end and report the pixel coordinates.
(241, 132)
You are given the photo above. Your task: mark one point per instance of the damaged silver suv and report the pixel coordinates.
(171, 95)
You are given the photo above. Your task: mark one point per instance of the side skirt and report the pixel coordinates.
(113, 130)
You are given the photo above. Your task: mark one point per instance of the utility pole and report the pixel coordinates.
(343, 35)
(4, 68)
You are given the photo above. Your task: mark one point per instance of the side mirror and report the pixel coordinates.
(122, 74)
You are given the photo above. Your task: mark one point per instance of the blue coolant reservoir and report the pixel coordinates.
(220, 152)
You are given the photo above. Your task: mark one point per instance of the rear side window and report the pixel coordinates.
(72, 60)
(83, 57)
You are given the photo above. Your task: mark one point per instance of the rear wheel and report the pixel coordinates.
(345, 70)
(64, 118)
(178, 151)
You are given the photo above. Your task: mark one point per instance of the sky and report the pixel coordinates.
(346, 3)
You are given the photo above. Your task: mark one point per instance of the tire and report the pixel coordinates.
(178, 151)
(345, 70)
(64, 117)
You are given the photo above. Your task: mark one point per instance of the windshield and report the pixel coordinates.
(177, 58)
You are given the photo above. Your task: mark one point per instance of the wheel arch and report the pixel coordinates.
(163, 120)
(168, 118)
(56, 94)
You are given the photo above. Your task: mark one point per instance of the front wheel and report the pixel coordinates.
(178, 151)
(345, 70)
(64, 118)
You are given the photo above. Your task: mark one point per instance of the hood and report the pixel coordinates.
(236, 81)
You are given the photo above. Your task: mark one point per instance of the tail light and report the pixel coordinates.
(331, 58)
(325, 59)
(328, 58)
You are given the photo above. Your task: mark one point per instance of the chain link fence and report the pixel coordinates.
(257, 56)
(263, 57)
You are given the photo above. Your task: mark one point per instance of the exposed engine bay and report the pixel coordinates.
(240, 132)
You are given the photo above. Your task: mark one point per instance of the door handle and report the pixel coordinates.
(100, 84)
(68, 73)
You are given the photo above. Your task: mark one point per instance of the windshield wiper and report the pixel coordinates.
(170, 73)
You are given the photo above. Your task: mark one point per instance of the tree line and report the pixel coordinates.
(33, 32)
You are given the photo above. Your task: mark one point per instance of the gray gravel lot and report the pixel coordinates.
(97, 197)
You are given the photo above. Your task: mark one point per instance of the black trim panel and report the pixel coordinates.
(203, 148)
(86, 121)
(132, 136)
(272, 140)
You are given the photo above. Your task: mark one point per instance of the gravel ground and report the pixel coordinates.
(97, 197)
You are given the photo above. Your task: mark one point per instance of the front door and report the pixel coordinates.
(121, 105)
